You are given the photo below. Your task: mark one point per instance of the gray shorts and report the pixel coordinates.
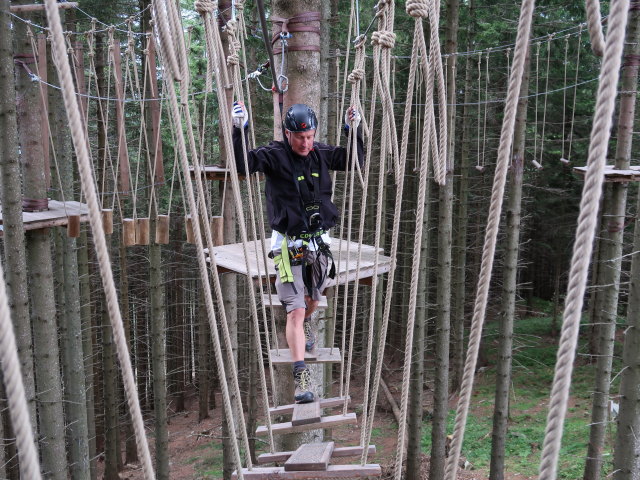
(291, 294)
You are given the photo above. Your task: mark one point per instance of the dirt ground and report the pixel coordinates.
(189, 440)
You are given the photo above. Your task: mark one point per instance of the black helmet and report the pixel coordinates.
(300, 118)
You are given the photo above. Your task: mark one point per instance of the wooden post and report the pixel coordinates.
(217, 230)
(44, 106)
(142, 231)
(128, 232)
(123, 154)
(107, 221)
(154, 107)
(73, 226)
(162, 229)
(189, 227)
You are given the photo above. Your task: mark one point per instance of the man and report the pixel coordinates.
(298, 192)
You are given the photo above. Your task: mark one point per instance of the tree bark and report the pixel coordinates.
(73, 360)
(87, 346)
(443, 293)
(462, 221)
(414, 446)
(611, 260)
(509, 289)
(13, 228)
(40, 271)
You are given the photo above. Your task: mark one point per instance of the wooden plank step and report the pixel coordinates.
(325, 422)
(305, 413)
(332, 471)
(338, 452)
(275, 301)
(310, 457)
(324, 403)
(319, 355)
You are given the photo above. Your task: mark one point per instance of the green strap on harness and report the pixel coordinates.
(283, 262)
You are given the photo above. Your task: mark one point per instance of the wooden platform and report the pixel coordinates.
(230, 258)
(56, 216)
(310, 457)
(611, 174)
(332, 471)
(318, 355)
(338, 452)
(325, 422)
(324, 403)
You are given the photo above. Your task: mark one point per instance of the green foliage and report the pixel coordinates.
(209, 463)
(533, 366)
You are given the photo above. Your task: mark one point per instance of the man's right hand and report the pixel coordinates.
(239, 115)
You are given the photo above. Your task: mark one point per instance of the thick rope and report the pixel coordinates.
(355, 78)
(594, 24)
(583, 246)
(174, 108)
(16, 398)
(95, 219)
(491, 235)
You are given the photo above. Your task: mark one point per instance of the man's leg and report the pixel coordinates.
(295, 333)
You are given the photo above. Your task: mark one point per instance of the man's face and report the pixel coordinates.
(301, 142)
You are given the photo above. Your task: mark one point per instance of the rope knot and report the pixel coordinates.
(205, 6)
(384, 38)
(417, 8)
(233, 59)
(356, 75)
(232, 27)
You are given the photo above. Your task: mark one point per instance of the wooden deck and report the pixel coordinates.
(230, 258)
(611, 174)
(56, 216)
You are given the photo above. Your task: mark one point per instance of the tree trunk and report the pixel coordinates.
(40, 268)
(414, 446)
(626, 459)
(13, 229)
(110, 391)
(460, 242)
(73, 359)
(443, 293)
(612, 256)
(87, 346)
(509, 288)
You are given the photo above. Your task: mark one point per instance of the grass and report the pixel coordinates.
(534, 360)
(209, 463)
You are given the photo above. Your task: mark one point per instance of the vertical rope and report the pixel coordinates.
(491, 235)
(95, 219)
(16, 398)
(583, 246)
(594, 25)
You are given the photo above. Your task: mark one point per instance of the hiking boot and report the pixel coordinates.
(309, 336)
(302, 379)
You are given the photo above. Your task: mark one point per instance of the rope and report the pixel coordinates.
(583, 246)
(16, 398)
(417, 9)
(594, 24)
(95, 219)
(491, 235)
(202, 263)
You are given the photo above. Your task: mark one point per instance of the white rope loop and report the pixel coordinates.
(583, 246)
(491, 235)
(95, 220)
